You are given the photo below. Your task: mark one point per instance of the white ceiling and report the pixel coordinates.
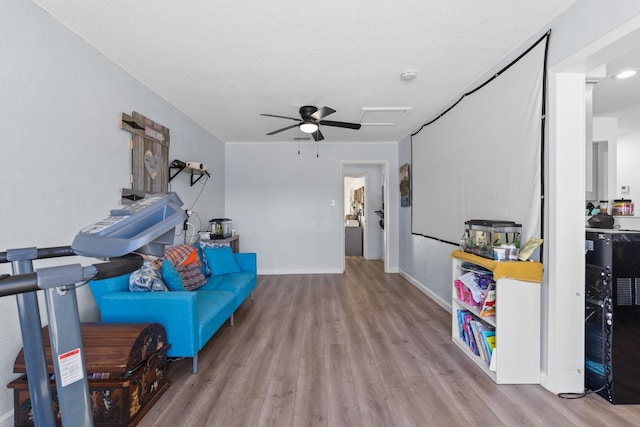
(225, 62)
(620, 98)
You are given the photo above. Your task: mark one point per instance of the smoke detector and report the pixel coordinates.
(408, 75)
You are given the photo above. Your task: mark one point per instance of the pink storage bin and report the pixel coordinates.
(464, 294)
(459, 289)
(468, 298)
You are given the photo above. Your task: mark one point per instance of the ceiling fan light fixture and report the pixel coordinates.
(308, 127)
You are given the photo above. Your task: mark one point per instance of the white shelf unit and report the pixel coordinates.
(517, 328)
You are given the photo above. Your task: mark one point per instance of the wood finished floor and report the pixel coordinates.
(360, 349)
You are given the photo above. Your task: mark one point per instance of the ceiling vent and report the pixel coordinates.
(383, 116)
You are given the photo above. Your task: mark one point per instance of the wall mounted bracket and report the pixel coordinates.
(178, 166)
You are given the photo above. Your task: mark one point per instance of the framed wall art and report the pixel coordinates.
(405, 186)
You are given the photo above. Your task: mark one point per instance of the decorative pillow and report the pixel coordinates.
(206, 270)
(146, 278)
(183, 278)
(205, 265)
(221, 261)
(192, 277)
(182, 255)
(171, 276)
(214, 244)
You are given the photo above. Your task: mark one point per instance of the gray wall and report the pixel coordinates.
(64, 157)
(280, 202)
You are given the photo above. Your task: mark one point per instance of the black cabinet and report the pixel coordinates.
(612, 315)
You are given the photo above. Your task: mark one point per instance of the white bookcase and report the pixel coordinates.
(516, 357)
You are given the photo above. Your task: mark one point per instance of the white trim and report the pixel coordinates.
(425, 290)
(562, 337)
(365, 223)
(341, 219)
(274, 272)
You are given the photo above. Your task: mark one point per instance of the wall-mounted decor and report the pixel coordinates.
(149, 153)
(358, 195)
(405, 187)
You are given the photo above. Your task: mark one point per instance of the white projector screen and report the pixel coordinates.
(481, 159)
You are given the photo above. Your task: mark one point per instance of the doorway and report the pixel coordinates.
(362, 190)
(354, 215)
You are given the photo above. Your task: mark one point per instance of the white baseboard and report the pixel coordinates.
(267, 272)
(442, 303)
(276, 271)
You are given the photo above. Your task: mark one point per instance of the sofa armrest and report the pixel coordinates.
(246, 261)
(175, 311)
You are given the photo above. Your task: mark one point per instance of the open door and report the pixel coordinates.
(354, 215)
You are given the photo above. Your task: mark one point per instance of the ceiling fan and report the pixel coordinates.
(311, 119)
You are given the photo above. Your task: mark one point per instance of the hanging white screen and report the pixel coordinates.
(481, 159)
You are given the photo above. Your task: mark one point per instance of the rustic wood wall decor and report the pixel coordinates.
(149, 153)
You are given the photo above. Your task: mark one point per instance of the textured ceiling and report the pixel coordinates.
(224, 62)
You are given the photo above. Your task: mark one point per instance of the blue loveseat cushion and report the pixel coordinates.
(241, 284)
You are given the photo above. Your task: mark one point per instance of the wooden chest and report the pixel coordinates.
(126, 367)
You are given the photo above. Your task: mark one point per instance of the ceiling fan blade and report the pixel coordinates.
(341, 124)
(317, 135)
(281, 117)
(323, 112)
(283, 129)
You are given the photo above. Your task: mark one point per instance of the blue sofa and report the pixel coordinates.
(190, 318)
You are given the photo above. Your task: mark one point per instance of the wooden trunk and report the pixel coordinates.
(126, 368)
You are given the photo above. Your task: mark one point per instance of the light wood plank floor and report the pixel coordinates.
(360, 349)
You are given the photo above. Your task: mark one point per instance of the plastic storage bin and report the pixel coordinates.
(464, 294)
(482, 236)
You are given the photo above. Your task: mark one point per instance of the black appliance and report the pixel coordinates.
(612, 315)
(601, 221)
